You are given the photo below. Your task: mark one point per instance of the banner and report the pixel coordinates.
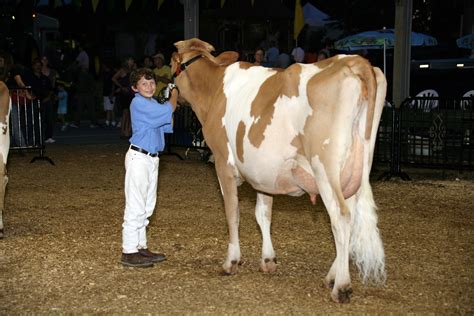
(299, 20)
(127, 4)
(95, 3)
(160, 2)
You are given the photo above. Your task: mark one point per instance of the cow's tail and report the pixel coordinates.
(366, 248)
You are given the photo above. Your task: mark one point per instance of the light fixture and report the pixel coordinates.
(424, 66)
(460, 65)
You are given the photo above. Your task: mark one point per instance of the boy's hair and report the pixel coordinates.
(136, 75)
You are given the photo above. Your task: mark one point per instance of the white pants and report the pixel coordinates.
(141, 180)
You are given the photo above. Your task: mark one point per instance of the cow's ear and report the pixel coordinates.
(175, 62)
(227, 58)
(193, 44)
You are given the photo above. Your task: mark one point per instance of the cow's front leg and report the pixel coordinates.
(231, 203)
(263, 214)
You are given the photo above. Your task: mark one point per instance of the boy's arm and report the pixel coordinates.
(174, 98)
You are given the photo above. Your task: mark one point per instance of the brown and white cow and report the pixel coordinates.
(308, 129)
(5, 107)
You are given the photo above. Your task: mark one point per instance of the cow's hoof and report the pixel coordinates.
(268, 265)
(229, 269)
(1, 233)
(343, 295)
(329, 283)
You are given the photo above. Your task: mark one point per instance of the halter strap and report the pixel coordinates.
(183, 67)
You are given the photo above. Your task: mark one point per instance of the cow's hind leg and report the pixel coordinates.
(4, 179)
(339, 212)
(263, 214)
(231, 203)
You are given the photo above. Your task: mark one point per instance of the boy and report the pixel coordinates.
(150, 120)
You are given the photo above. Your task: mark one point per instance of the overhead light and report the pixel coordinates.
(460, 65)
(13, 17)
(424, 66)
(34, 15)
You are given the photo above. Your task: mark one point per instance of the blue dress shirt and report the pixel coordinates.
(150, 120)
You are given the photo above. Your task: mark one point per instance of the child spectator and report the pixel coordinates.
(150, 120)
(108, 95)
(62, 96)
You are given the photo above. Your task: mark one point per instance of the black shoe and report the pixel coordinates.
(136, 260)
(153, 257)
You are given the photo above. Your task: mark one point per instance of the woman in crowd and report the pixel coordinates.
(124, 94)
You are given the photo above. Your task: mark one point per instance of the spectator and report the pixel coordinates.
(19, 95)
(310, 57)
(62, 97)
(298, 54)
(108, 93)
(49, 72)
(162, 73)
(42, 90)
(82, 58)
(323, 54)
(86, 91)
(147, 62)
(271, 55)
(258, 56)
(121, 79)
(283, 60)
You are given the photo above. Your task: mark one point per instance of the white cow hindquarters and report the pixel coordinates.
(141, 179)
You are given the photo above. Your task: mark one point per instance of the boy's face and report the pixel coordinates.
(146, 87)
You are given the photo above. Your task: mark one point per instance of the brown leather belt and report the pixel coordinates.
(143, 151)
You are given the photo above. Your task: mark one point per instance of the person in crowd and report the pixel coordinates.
(108, 93)
(62, 96)
(298, 54)
(162, 72)
(85, 93)
(323, 54)
(150, 120)
(48, 71)
(42, 90)
(259, 56)
(5, 64)
(271, 55)
(20, 96)
(124, 94)
(147, 62)
(82, 58)
(283, 60)
(310, 57)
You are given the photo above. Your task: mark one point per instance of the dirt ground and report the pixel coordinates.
(63, 243)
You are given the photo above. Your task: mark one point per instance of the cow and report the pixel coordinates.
(309, 128)
(5, 107)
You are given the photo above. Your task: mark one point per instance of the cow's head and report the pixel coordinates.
(193, 50)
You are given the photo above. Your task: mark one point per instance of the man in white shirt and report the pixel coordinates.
(298, 54)
(82, 58)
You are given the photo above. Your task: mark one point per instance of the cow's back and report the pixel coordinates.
(266, 118)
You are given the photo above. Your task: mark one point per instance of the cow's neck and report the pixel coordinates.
(202, 86)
